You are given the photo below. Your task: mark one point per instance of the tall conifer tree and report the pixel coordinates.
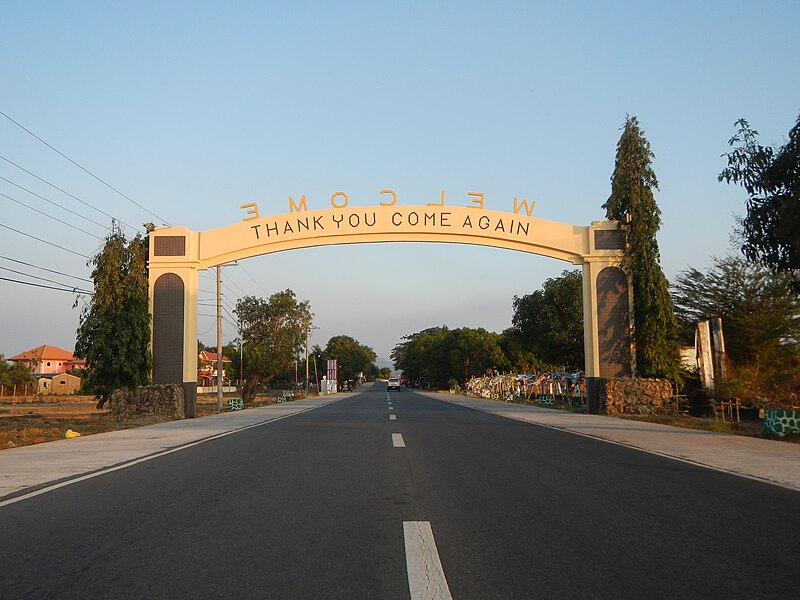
(632, 204)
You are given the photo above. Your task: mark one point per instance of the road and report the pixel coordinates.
(344, 502)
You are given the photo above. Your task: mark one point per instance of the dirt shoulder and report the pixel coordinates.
(23, 422)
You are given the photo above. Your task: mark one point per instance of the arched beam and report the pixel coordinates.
(596, 247)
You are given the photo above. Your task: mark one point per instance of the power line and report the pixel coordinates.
(254, 280)
(52, 185)
(36, 210)
(45, 241)
(54, 203)
(87, 171)
(223, 318)
(214, 299)
(237, 286)
(34, 276)
(49, 287)
(27, 264)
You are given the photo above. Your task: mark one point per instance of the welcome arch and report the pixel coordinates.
(177, 255)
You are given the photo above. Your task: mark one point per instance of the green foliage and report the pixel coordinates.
(760, 316)
(353, 358)
(274, 334)
(384, 373)
(438, 354)
(114, 332)
(771, 178)
(519, 358)
(550, 322)
(17, 373)
(632, 204)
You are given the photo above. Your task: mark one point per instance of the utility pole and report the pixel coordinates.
(219, 338)
(308, 334)
(219, 333)
(316, 374)
(305, 389)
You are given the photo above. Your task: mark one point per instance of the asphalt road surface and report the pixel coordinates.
(440, 501)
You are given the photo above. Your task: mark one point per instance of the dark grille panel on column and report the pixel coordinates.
(168, 329)
(609, 239)
(613, 323)
(169, 245)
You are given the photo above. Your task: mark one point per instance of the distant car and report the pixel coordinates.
(393, 384)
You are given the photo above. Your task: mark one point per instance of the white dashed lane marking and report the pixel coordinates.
(393, 417)
(397, 440)
(426, 580)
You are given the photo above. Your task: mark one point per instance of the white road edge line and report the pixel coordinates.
(136, 461)
(426, 580)
(397, 440)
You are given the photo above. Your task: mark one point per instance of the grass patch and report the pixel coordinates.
(746, 428)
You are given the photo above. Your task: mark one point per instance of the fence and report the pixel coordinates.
(543, 388)
(18, 389)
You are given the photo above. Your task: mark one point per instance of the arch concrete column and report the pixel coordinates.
(173, 307)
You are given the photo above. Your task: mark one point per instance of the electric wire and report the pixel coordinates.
(215, 316)
(23, 273)
(214, 299)
(63, 191)
(45, 241)
(27, 264)
(49, 287)
(234, 284)
(55, 203)
(254, 279)
(44, 214)
(85, 170)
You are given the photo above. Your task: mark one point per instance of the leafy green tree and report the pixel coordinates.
(439, 354)
(520, 358)
(231, 351)
(771, 178)
(274, 334)
(422, 356)
(472, 352)
(550, 321)
(114, 331)
(760, 313)
(353, 358)
(384, 373)
(16, 374)
(632, 204)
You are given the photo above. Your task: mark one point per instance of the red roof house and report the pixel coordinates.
(207, 373)
(48, 359)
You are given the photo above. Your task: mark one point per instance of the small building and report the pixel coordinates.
(207, 371)
(47, 360)
(60, 383)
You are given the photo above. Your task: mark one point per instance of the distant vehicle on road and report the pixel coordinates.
(393, 384)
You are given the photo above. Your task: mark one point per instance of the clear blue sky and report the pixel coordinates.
(193, 108)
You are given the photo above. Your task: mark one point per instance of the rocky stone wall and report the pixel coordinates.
(627, 396)
(162, 399)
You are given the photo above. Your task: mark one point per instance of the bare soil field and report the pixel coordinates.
(47, 418)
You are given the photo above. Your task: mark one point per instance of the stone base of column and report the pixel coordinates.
(593, 396)
(190, 399)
